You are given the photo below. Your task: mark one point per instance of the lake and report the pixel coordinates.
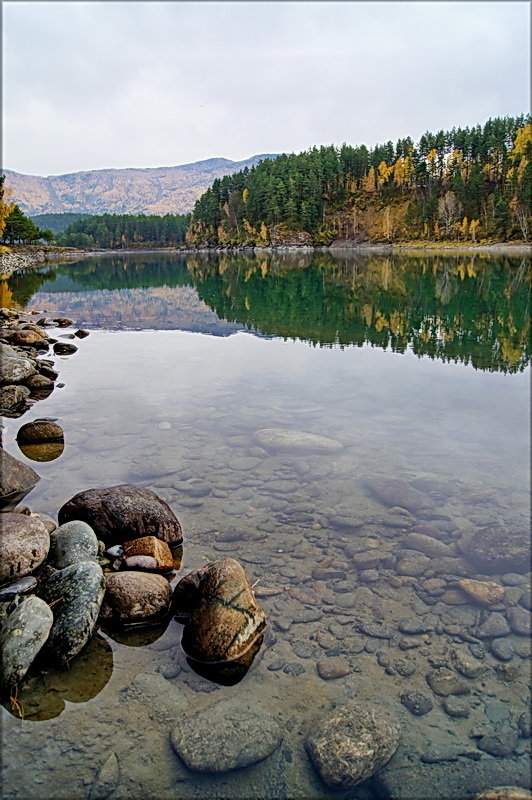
(418, 368)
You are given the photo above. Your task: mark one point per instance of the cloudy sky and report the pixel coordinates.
(90, 85)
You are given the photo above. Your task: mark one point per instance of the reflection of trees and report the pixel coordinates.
(472, 310)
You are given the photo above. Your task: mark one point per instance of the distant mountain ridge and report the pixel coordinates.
(134, 190)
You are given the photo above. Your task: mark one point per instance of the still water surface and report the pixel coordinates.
(419, 367)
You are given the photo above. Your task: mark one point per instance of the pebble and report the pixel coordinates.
(417, 703)
(330, 668)
(456, 707)
(444, 682)
(294, 669)
(502, 649)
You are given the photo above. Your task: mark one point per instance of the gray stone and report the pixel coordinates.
(15, 370)
(520, 621)
(494, 626)
(72, 542)
(16, 480)
(397, 492)
(502, 649)
(22, 586)
(230, 735)
(456, 707)
(499, 742)
(352, 743)
(427, 545)
(444, 682)
(24, 543)
(413, 564)
(76, 593)
(287, 440)
(417, 703)
(22, 635)
(498, 549)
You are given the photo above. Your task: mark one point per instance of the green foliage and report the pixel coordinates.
(19, 229)
(57, 223)
(125, 231)
(316, 190)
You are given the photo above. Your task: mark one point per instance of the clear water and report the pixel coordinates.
(419, 368)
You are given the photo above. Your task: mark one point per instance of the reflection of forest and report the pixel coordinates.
(470, 309)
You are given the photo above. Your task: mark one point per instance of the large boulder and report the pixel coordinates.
(294, 441)
(16, 480)
(13, 400)
(38, 431)
(352, 743)
(224, 618)
(499, 549)
(22, 635)
(75, 595)
(120, 513)
(134, 597)
(231, 734)
(14, 368)
(72, 542)
(24, 544)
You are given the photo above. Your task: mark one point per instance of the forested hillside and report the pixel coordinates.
(465, 184)
(125, 230)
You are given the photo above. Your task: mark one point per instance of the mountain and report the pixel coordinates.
(158, 190)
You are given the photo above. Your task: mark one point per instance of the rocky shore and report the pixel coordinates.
(12, 262)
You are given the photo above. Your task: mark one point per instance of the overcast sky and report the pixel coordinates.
(90, 85)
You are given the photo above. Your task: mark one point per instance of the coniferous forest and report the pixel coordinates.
(464, 184)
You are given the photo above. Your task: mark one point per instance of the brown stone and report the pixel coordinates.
(24, 544)
(504, 793)
(150, 546)
(135, 596)
(16, 480)
(40, 430)
(24, 336)
(330, 668)
(224, 617)
(486, 593)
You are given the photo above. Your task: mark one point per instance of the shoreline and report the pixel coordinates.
(15, 261)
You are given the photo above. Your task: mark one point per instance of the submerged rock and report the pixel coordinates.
(287, 440)
(486, 593)
(232, 734)
(16, 480)
(504, 793)
(75, 594)
(396, 492)
(224, 616)
(498, 549)
(22, 636)
(135, 596)
(24, 544)
(352, 743)
(120, 513)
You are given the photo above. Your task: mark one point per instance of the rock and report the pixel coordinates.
(232, 734)
(486, 593)
(465, 665)
(153, 547)
(520, 621)
(369, 559)
(502, 649)
(62, 322)
(16, 480)
(120, 513)
(64, 348)
(75, 594)
(352, 743)
(15, 370)
(39, 383)
(107, 779)
(497, 549)
(81, 333)
(417, 703)
(38, 431)
(499, 742)
(24, 543)
(396, 492)
(224, 616)
(135, 596)
(335, 667)
(72, 542)
(294, 441)
(427, 545)
(144, 563)
(413, 627)
(504, 793)
(24, 336)
(444, 682)
(524, 724)
(13, 398)
(494, 625)
(16, 588)
(22, 635)
(456, 707)
(413, 564)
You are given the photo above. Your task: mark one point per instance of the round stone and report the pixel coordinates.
(295, 441)
(352, 743)
(229, 735)
(24, 543)
(38, 431)
(135, 596)
(72, 542)
(22, 635)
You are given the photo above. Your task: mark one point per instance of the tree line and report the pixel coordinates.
(15, 226)
(466, 183)
(125, 231)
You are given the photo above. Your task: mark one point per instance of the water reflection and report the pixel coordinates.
(227, 673)
(472, 309)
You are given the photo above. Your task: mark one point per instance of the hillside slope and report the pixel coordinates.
(158, 190)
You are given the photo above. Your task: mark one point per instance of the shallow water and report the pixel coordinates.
(418, 368)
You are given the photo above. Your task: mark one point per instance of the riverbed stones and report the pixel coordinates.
(396, 492)
(75, 594)
(334, 667)
(72, 542)
(486, 593)
(498, 549)
(520, 621)
(22, 636)
(39, 431)
(229, 735)
(151, 547)
(427, 545)
(121, 513)
(445, 682)
(64, 348)
(493, 626)
(135, 596)
(24, 544)
(225, 618)
(295, 441)
(14, 368)
(352, 743)
(16, 480)
(417, 703)
(13, 398)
